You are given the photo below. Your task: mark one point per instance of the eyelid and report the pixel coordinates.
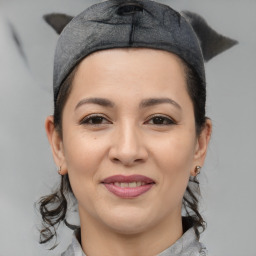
(84, 120)
(166, 117)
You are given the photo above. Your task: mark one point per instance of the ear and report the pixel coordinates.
(57, 21)
(212, 43)
(202, 143)
(56, 144)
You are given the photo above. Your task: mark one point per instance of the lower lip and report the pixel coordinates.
(128, 192)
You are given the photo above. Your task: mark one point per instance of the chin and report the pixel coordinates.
(128, 222)
(129, 228)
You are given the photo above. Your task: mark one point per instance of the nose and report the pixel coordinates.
(128, 146)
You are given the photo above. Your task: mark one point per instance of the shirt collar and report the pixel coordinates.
(187, 245)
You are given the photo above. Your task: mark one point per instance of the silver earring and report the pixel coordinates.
(59, 170)
(197, 169)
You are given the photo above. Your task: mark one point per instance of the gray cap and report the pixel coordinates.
(123, 24)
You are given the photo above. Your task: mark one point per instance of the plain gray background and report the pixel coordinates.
(27, 169)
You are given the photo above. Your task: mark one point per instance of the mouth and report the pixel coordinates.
(128, 186)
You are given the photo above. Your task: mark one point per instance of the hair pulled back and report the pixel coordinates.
(54, 207)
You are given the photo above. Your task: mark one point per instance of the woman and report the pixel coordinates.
(129, 132)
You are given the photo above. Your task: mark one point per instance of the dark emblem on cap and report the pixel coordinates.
(129, 8)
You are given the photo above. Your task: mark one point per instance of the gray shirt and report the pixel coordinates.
(187, 245)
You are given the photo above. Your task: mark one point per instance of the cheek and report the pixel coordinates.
(82, 149)
(176, 153)
(175, 160)
(83, 155)
(79, 155)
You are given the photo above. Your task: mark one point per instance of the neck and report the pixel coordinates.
(98, 239)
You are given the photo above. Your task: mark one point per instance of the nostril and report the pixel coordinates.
(129, 8)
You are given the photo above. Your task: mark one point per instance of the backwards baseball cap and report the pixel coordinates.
(124, 24)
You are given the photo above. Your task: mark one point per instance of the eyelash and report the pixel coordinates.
(87, 120)
(165, 120)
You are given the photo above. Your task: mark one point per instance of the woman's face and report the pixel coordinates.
(129, 141)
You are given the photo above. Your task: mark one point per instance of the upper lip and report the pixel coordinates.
(128, 179)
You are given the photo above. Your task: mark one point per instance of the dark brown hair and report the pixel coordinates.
(53, 208)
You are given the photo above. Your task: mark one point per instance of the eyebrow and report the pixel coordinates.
(99, 101)
(156, 101)
(144, 103)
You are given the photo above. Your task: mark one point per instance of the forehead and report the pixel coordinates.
(128, 64)
(135, 70)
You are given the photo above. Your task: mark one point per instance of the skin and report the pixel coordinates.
(129, 139)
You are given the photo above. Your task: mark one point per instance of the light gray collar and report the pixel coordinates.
(187, 245)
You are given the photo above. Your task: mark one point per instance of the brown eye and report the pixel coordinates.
(94, 120)
(160, 120)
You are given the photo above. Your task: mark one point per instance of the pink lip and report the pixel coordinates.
(131, 178)
(128, 192)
